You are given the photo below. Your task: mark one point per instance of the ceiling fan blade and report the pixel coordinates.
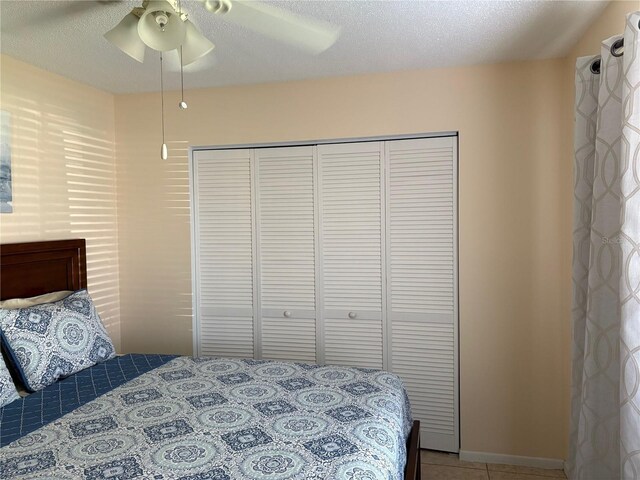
(311, 35)
(54, 12)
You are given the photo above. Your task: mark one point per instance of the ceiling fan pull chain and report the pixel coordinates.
(183, 105)
(164, 154)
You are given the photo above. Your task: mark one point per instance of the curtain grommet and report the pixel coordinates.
(616, 48)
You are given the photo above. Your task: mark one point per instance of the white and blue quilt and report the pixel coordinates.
(218, 419)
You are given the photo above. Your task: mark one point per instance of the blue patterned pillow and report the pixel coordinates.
(54, 340)
(8, 392)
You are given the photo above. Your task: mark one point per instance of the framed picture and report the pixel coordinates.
(6, 196)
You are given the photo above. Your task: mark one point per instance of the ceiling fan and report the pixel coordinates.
(162, 25)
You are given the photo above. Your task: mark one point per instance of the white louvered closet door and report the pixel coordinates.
(421, 275)
(285, 236)
(335, 254)
(351, 253)
(223, 252)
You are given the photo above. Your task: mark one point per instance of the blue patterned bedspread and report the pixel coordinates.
(215, 419)
(38, 409)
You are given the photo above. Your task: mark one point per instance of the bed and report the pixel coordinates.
(165, 416)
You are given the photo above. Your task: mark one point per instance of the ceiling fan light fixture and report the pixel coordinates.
(219, 7)
(195, 44)
(160, 27)
(125, 37)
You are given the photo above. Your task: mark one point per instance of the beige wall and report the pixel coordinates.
(63, 170)
(513, 277)
(515, 206)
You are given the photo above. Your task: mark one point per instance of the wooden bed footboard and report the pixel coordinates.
(412, 470)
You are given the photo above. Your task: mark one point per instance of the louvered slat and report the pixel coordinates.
(421, 282)
(224, 273)
(351, 255)
(287, 252)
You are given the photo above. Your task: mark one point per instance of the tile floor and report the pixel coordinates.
(444, 466)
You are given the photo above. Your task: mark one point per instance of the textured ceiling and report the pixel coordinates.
(65, 37)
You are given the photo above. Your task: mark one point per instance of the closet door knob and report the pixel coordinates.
(352, 315)
(287, 313)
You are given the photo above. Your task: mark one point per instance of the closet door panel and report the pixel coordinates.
(286, 240)
(224, 273)
(421, 232)
(351, 255)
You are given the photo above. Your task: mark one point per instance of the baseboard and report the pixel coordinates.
(484, 457)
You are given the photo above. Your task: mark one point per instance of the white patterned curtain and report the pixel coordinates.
(605, 418)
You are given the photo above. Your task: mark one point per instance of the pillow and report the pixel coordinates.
(54, 340)
(8, 392)
(14, 303)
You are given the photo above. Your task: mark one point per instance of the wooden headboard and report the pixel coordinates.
(34, 268)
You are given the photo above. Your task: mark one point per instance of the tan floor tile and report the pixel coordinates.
(450, 459)
(543, 472)
(493, 475)
(445, 472)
